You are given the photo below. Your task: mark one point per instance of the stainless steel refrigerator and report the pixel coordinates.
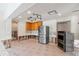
(43, 33)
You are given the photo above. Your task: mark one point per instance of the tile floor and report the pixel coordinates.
(3, 51)
(31, 47)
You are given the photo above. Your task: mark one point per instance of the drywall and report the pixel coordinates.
(5, 22)
(75, 26)
(23, 7)
(21, 28)
(5, 30)
(10, 9)
(52, 27)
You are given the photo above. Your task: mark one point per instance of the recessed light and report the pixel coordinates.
(29, 12)
(19, 16)
(59, 14)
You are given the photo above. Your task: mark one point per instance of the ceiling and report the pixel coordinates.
(7, 8)
(2, 10)
(65, 9)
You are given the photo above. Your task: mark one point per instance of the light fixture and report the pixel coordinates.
(29, 12)
(19, 16)
(54, 12)
(34, 17)
(59, 14)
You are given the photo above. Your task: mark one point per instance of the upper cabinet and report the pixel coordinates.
(33, 26)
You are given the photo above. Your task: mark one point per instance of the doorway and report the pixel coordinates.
(14, 29)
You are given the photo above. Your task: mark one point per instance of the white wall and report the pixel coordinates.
(52, 26)
(75, 26)
(5, 23)
(5, 29)
(10, 9)
(21, 28)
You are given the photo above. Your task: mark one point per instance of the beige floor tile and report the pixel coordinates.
(31, 47)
